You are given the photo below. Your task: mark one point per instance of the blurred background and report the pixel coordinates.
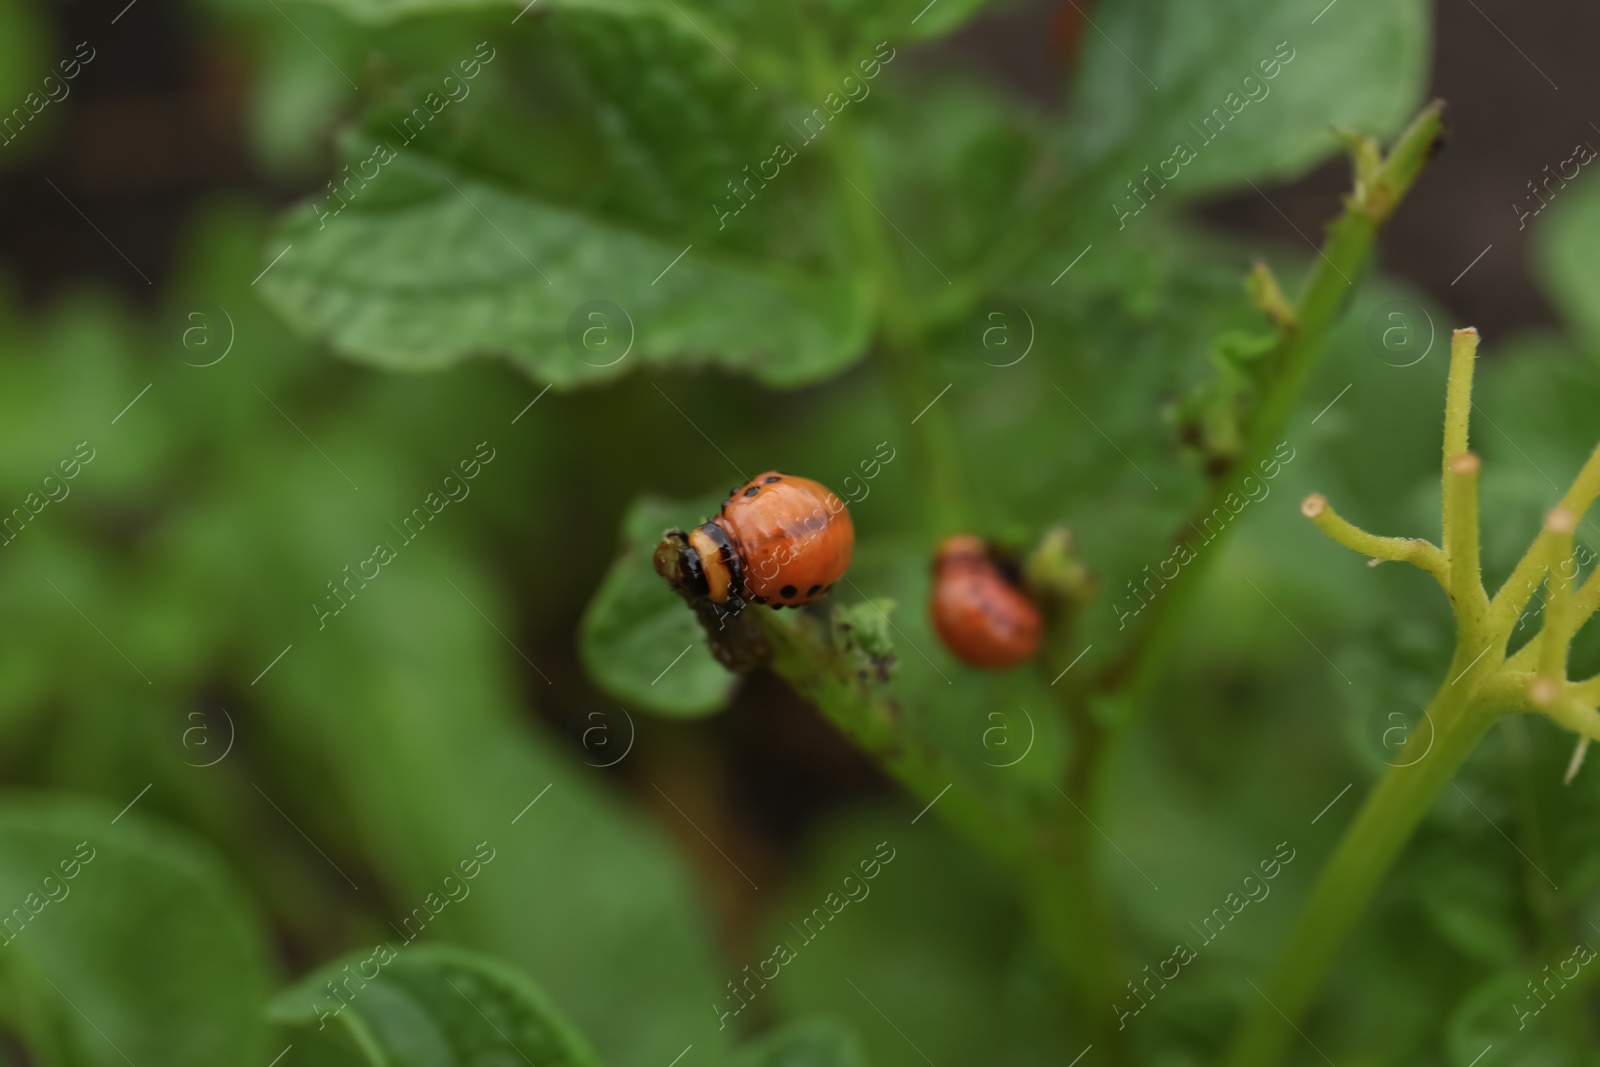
(156, 642)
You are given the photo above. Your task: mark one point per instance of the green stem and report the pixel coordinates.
(1380, 186)
(819, 673)
(1369, 847)
(1424, 554)
(938, 452)
(1083, 910)
(1047, 844)
(1479, 687)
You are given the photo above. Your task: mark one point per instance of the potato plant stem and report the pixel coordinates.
(1052, 853)
(819, 673)
(902, 343)
(1380, 186)
(1480, 685)
(1364, 855)
(1046, 843)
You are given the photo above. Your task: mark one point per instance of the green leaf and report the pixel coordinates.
(955, 186)
(636, 627)
(861, 633)
(432, 1005)
(956, 970)
(122, 942)
(430, 754)
(23, 46)
(402, 733)
(1157, 69)
(808, 1043)
(1491, 1015)
(1567, 255)
(584, 236)
(849, 29)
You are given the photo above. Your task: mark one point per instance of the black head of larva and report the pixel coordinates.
(679, 562)
(691, 573)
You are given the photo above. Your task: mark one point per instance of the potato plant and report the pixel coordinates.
(351, 708)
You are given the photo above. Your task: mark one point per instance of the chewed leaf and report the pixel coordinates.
(421, 1006)
(638, 639)
(861, 633)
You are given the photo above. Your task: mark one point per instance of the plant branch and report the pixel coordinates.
(1518, 589)
(1381, 829)
(1458, 390)
(902, 342)
(1032, 840)
(1479, 687)
(1381, 182)
(820, 673)
(1414, 550)
(1556, 633)
(1460, 536)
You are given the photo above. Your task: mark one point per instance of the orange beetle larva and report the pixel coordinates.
(984, 619)
(779, 540)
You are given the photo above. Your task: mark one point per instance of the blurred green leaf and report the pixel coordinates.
(914, 971)
(1472, 905)
(429, 1006)
(809, 1043)
(123, 942)
(398, 736)
(957, 186)
(1490, 1016)
(639, 640)
(23, 52)
(1567, 257)
(298, 95)
(858, 22)
(1155, 70)
(416, 728)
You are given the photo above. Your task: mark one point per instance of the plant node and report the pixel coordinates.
(1485, 626)
(1544, 691)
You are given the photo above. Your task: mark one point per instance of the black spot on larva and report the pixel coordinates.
(761, 600)
(773, 478)
(814, 590)
(752, 491)
(788, 592)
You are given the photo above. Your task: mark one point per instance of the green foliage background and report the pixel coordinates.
(393, 738)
